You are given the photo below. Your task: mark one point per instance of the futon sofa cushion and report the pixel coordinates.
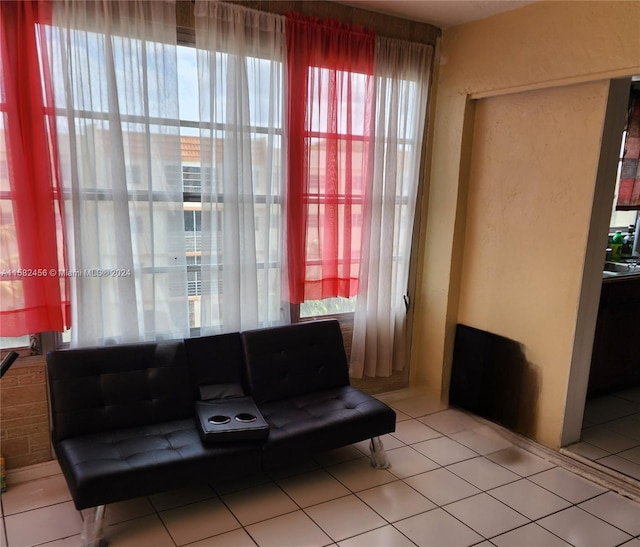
(303, 425)
(294, 360)
(140, 461)
(106, 388)
(216, 365)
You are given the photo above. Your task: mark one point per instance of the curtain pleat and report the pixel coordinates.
(241, 72)
(329, 110)
(401, 74)
(115, 64)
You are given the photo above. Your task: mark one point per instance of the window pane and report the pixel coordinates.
(17, 342)
(328, 306)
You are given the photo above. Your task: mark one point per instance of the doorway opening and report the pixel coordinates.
(610, 430)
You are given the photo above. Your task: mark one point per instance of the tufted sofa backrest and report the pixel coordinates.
(215, 360)
(106, 388)
(294, 360)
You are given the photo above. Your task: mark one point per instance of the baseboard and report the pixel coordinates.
(32, 472)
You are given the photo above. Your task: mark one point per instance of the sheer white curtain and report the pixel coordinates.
(116, 87)
(401, 73)
(241, 55)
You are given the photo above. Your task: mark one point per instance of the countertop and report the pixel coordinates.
(619, 270)
(617, 276)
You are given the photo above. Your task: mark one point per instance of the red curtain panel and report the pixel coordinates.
(329, 111)
(629, 190)
(32, 294)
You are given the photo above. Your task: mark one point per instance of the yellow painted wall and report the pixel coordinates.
(526, 232)
(539, 71)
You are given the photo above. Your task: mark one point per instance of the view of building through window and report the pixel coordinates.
(189, 174)
(192, 178)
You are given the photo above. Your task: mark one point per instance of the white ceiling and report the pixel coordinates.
(441, 13)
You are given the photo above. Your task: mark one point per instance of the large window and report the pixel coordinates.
(177, 170)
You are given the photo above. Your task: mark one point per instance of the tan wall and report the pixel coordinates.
(551, 46)
(526, 229)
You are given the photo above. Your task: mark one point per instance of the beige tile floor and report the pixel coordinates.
(454, 481)
(611, 432)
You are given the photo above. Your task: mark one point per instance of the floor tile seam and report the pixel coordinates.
(51, 540)
(451, 463)
(529, 519)
(410, 476)
(239, 527)
(603, 426)
(158, 510)
(536, 521)
(626, 400)
(555, 466)
(6, 532)
(624, 430)
(440, 436)
(402, 533)
(597, 447)
(485, 538)
(621, 454)
(537, 524)
(386, 522)
(435, 505)
(438, 466)
(571, 464)
(610, 450)
(576, 506)
(255, 541)
(606, 477)
(299, 508)
(341, 496)
(355, 494)
(424, 495)
(603, 418)
(600, 518)
(5, 537)
(326, 466)
(182, 506)
(432, 414)
(240, 524)
(571, 504)
(247, 487)
(600, 461)
(336, 541)
(518, 477)
(442, 506)
(166, 528)
(328, 470)
(38, 508)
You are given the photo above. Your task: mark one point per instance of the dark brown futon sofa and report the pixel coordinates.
(124, 425)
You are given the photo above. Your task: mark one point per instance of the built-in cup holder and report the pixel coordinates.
(219, 419)
(245, 417)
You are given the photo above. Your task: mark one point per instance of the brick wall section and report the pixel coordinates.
(24, 413)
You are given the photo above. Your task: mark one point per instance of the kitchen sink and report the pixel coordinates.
(611, 269)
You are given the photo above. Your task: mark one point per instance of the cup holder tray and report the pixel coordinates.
(230, 419)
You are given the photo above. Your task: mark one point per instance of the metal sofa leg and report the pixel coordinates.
(379, 458)
(92, 528)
